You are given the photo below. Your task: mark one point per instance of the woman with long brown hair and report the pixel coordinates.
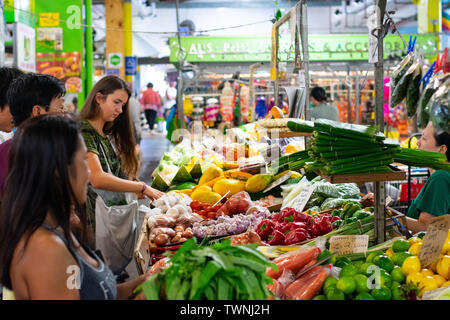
(108, 134)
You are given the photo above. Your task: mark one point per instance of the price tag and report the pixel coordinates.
(349, 244)
(434, 239)
(276, 183)
(302, 199)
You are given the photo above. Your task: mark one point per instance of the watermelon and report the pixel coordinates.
(181, 176)
(160, 182)
(196, 171)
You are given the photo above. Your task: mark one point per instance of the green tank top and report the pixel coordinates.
(434, 198)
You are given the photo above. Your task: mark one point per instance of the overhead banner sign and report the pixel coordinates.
(321, 48)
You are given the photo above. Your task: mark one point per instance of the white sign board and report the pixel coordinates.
(24, 47)
(115, 60)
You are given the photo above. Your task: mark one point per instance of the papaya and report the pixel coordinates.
(206, 196)
(237, 175)
(213, 181)
(181, 176)
(160, 182)
(258, 182)
(278, 176)
(230, 165)
(196, 171)
(233, 186)
(209, 174)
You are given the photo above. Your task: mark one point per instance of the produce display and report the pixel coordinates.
(218, 272)
(228, 225)
(290, 227)
(388, 271)
(216, 214)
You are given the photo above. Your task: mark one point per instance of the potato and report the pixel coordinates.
(188, 234)
(164, 221)
(161, 239)
(179, 227)
(157, 231)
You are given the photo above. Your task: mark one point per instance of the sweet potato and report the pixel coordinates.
(293, 261)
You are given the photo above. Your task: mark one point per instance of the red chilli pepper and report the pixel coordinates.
(265, 228)
(295, 236)
(276, 238)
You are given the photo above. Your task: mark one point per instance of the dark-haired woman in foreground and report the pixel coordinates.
(40, 257)
(434, 198)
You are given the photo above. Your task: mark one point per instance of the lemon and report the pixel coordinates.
(411, 265)
(414, 277)
(389, 252)
(443, 267)
(427, 272)
(434, 264)
(446, 247)
(413, 240)
(440, 279)
(445, 284)
(427, 283)
(415, 248)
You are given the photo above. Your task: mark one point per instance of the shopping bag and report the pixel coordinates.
(117, 228)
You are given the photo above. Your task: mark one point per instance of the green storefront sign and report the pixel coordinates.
(59, 43)
(321, 48)
(9, 10)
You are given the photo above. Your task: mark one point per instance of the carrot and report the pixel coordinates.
(310, 288)
(294, 261)
(309, 264)
(301, 282)
(273, 288)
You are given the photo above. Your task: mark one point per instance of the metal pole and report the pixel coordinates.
(349, 100)
(304, 35)
(180, 73)
(89, 49)
(252, 90)
(379, 187)
(358, 97)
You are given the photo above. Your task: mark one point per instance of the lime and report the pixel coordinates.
(399, 257)
(329, 281)
(384, 262)
(386, 279)
(383, 293)
(363, 269)
(397, 293)
(394, 285)
(342, 261)
(373, 254)
(401, 245)
(364, 296)
(378, 257)
(320, 297)
(348, 270)
(397, 275)
(346, 284)
(335, 294)
(358, 263)
(361, 283)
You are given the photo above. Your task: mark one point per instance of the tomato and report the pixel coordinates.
(196, 205)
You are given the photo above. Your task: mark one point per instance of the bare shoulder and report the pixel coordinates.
(43, 267)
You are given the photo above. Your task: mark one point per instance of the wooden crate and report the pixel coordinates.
(142, 254)
(365, 177)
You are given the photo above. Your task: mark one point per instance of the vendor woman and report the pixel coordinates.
(434, 198)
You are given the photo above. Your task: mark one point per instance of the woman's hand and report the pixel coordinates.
(153, 193)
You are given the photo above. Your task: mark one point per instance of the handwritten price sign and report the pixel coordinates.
(434, 239)
(349, 244)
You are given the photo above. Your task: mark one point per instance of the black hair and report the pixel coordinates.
(31, 90)
(7, 75)
(443, 139)
(149, 85)
(38, 183)
(319, 94)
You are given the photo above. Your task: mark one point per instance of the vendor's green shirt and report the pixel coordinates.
(103, 148)
(434, 197)
(325, 111)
